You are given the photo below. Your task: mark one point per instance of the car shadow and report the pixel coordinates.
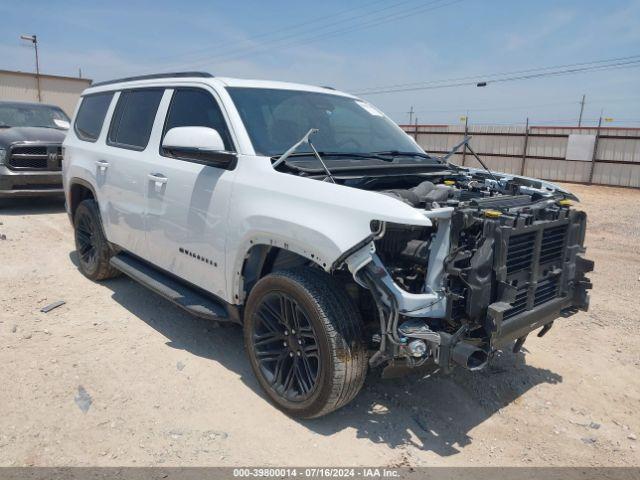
(31, 206)
(430, 411)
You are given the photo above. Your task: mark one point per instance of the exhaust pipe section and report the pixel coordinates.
(469, 356)
(453, 351)
(447, 349)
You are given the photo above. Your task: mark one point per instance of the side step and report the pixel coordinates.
(173, 290)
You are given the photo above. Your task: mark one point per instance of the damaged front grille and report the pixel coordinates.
(528, 264)
(520, 303)
(546, 289)
(553, 240)
(520, 252)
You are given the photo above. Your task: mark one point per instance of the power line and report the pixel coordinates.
(492, 109)
(600, 65)
(488, 76)
(271, 33)
(404, 13)
(287, 29)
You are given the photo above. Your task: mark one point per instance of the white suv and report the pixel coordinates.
(310, 218)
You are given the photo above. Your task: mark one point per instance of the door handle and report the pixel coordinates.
(158, 181)
(102, 165)
(158, 178)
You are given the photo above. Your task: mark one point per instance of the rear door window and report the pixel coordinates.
(194, 107)
(133, 118)
(91, 115)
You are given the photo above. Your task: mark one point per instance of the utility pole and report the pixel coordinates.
(34, 40)
(410, 112)
(524, 149)
(466, 132)
(581, 110)
(595, 148)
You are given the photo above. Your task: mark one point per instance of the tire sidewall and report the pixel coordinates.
(85, 211)
(280, 284)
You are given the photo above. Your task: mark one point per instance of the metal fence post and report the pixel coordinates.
(524, 150)
(595, 150)
(415, 132)
(466, 131)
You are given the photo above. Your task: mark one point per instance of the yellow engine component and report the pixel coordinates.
(565, 202)
(492, 213)
(449, 182)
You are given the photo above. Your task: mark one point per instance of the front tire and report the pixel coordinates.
(304, 338)
(92, 246)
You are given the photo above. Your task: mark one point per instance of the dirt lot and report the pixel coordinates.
(118, 376)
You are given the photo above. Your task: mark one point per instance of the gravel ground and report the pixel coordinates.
(118, 376)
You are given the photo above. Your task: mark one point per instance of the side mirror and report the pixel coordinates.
(202, 145)
(63, 124)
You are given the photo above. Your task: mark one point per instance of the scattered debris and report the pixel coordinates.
(3, 236)
(589, 440)
(27, 336)
(14, 329)
(215, 435)
(594, 425)
(632, 436)
(83, 399)
(180, 366)
(51, 306)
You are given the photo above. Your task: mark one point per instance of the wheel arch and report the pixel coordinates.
(262, 258)
(79, 190)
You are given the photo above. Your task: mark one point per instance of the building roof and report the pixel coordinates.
(46, 75)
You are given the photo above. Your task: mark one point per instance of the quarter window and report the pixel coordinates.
(193, 107)
(133, 118)
(91, 115)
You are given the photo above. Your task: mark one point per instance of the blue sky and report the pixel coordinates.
(353, 46)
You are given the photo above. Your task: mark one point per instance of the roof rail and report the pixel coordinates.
(153, 76)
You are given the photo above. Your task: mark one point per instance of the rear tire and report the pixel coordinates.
(304, 338)
(94, 251)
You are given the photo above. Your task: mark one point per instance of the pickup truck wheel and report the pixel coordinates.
(93, 249)
(305, 342)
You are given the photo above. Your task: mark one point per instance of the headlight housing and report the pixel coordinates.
(3, 156)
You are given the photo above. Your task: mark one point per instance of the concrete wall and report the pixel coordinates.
(61, 91)
(606, 156)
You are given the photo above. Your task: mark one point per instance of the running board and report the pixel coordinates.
(183, 296)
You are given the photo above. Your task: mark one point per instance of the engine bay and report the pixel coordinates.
(514, 254)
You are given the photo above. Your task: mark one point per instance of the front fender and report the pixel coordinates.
(318, 220)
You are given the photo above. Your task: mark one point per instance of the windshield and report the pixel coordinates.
(18, 115)
(276, 119)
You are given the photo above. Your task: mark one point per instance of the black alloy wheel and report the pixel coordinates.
(286, 347)
(305, 341)
(94, 251)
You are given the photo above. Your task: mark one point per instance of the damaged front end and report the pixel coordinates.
(502, 258)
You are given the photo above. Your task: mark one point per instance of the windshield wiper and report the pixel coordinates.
(356, 155)
(305, 139)
(396, 153)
